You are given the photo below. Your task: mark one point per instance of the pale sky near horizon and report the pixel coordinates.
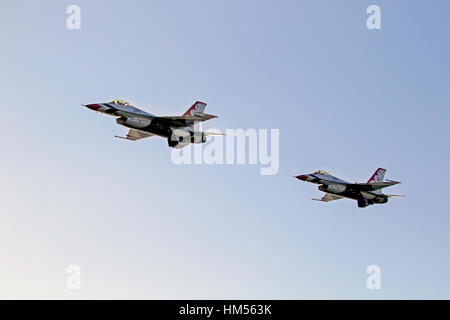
(344, 98)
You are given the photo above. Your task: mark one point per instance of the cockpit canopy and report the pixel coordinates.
(321, 172)
(120, 102)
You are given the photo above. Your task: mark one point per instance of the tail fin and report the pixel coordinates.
(195, 108)
(378, 176)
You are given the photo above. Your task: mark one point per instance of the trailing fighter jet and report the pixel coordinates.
(365, 193)
(178, 130)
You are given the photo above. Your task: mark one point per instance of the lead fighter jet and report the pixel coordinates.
(178, 130)
(365, 193)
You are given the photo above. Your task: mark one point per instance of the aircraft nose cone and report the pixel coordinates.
(302, 177)
(94, 107)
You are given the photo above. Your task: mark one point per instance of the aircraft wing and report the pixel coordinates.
(373, 185)
(184, 121)
(329, 197)
(171, 121)
(134, 135)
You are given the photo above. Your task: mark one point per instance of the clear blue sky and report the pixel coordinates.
(345, 99)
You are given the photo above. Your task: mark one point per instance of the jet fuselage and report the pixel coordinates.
(365, 194)
(178, 130)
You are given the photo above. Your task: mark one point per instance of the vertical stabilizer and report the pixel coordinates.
(197, 107)
(378, 176)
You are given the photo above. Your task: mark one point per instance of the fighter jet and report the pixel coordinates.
(365, 193)
(178, 130)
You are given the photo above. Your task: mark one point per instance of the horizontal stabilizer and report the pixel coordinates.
(214, 134)
(205, 115)
(374, 185)
(197, 117)
(381, 184)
